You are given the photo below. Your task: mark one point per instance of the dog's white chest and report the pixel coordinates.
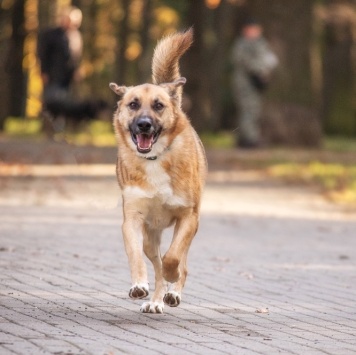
(162, 184)
(160, 187)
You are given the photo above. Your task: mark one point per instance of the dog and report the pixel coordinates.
(63, 113)
(161, 170)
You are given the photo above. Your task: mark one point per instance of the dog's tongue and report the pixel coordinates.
(144, 141)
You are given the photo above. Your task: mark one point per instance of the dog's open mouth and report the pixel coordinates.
(144, 141)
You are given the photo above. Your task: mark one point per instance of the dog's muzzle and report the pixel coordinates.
(144, 133)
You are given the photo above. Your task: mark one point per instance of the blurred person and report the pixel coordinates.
(253, 62)
(59, 52)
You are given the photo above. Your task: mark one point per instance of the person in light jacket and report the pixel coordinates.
(253, 62)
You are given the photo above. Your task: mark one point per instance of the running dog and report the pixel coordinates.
(161, 171)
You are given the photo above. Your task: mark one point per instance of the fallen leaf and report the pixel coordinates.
(262, 310)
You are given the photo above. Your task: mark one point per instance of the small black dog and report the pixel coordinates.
(64, 114)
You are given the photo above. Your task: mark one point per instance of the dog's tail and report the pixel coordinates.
(165, 62)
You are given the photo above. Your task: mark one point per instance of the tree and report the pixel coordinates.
(14, 80)
(4, 76)
(144, 63)
(194, 64)
(122, 37)
(17, 83)
(225, 29)
(339, 67)
(46, 13)
(291, 115)
(316, 77)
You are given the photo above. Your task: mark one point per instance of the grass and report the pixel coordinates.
(336, 181)
(340, 144)
(18, 127)
(96, 133)
(220, 140)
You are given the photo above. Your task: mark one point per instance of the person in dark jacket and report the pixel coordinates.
(59, 52)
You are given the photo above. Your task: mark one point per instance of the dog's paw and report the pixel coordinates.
(139, 291)
(152, 307)
(172, 299)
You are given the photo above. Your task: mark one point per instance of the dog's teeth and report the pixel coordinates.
(144, 142)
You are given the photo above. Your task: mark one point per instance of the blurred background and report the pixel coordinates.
(313, 91)
(310, 102)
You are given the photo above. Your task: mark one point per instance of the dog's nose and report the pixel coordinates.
(144, 124)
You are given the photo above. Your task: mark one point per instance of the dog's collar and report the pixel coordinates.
(156, 156)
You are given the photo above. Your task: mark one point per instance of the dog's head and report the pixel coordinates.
(146, 113)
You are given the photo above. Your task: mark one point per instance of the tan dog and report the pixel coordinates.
(161, 170)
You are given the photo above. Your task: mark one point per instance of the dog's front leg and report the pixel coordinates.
(133, 239)
(175, 260)
(151, 247)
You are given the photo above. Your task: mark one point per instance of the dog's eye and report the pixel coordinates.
(157, 106)
(134, 105)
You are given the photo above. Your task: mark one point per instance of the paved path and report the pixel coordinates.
(272, 270)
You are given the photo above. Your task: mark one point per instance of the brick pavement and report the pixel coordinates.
(272, 270)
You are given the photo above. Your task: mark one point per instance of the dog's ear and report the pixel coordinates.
(118, 90)
(179, 82)
(173, 87)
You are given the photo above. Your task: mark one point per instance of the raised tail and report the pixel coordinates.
(165, 62)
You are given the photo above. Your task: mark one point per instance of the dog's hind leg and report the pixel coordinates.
(173, 297)
(174, 262)
(151, 247)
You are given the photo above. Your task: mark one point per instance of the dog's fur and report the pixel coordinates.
(161, 170)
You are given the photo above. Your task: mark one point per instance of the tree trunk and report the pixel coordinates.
(4, 77)
(218, 82)
(46, 13)
(339, 75)
(194, 63)
(17, 82)
(92, 84)
(122, 38)
(144, 62)
(291, 114)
